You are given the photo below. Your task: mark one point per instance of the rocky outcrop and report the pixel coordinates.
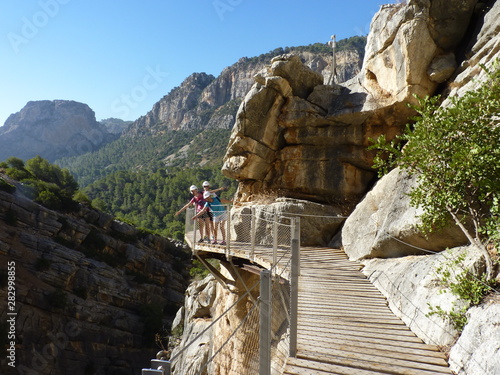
(476, 351)
(386, 225)
(298, 137)
(204, 101)
(90, 292)
(175, 110)
(193, 326)
(225, 318)
(53, 130)
(286, 142)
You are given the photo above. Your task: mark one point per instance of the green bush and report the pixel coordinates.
(454, 152)
(49, 200)
(460, 282)
(44, 182)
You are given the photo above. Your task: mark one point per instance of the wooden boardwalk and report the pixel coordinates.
(344, 324)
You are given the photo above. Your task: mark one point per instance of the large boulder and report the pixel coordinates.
(385, 225)
(476, 351)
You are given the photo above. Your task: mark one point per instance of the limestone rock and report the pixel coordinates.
(306, 140)
(442, 67)
(197, 318)
(476, 351)
(395, 65)
(385, 225)
(301, 78)
(286, 141)
(447, 20)
(484, 51)
(52, 129)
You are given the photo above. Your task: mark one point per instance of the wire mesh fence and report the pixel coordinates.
(250, 233)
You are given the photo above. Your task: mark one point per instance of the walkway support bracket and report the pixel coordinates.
(224, 281)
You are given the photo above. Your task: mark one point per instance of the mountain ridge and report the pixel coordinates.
(52, 129)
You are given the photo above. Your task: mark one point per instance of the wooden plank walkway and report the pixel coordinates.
(345, 326)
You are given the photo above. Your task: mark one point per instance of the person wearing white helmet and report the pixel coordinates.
(219, 214)
(204, 220)
(206, 188)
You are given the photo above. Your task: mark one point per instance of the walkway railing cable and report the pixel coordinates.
(443, 254)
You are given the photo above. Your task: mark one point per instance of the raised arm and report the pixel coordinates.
(203, 210)
(185, 207)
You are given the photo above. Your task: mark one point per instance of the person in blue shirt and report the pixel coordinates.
(206, 187)
(215, 206)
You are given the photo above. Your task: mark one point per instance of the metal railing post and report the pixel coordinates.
(162, 365)
(265, 323)
(194, 224)
(294, 296)
(275, 240)
(228, 233)
(296, 235)
(253, 229)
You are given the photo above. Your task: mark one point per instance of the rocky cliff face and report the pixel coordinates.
(203, 101)
(307, 140)
(89, 292)
(52, 129)
(386, 226)
(295, 137)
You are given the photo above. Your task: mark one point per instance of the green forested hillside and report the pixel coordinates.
(150, 199)
(131, 179)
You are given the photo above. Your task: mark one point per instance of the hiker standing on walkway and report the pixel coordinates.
(219, 215)
(206, 188)
(203, 220)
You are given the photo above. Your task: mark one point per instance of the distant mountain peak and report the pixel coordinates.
(52, 129)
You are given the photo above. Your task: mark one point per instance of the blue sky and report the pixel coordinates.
(120, 57)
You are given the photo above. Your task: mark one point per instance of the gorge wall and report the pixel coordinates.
(90, 292)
